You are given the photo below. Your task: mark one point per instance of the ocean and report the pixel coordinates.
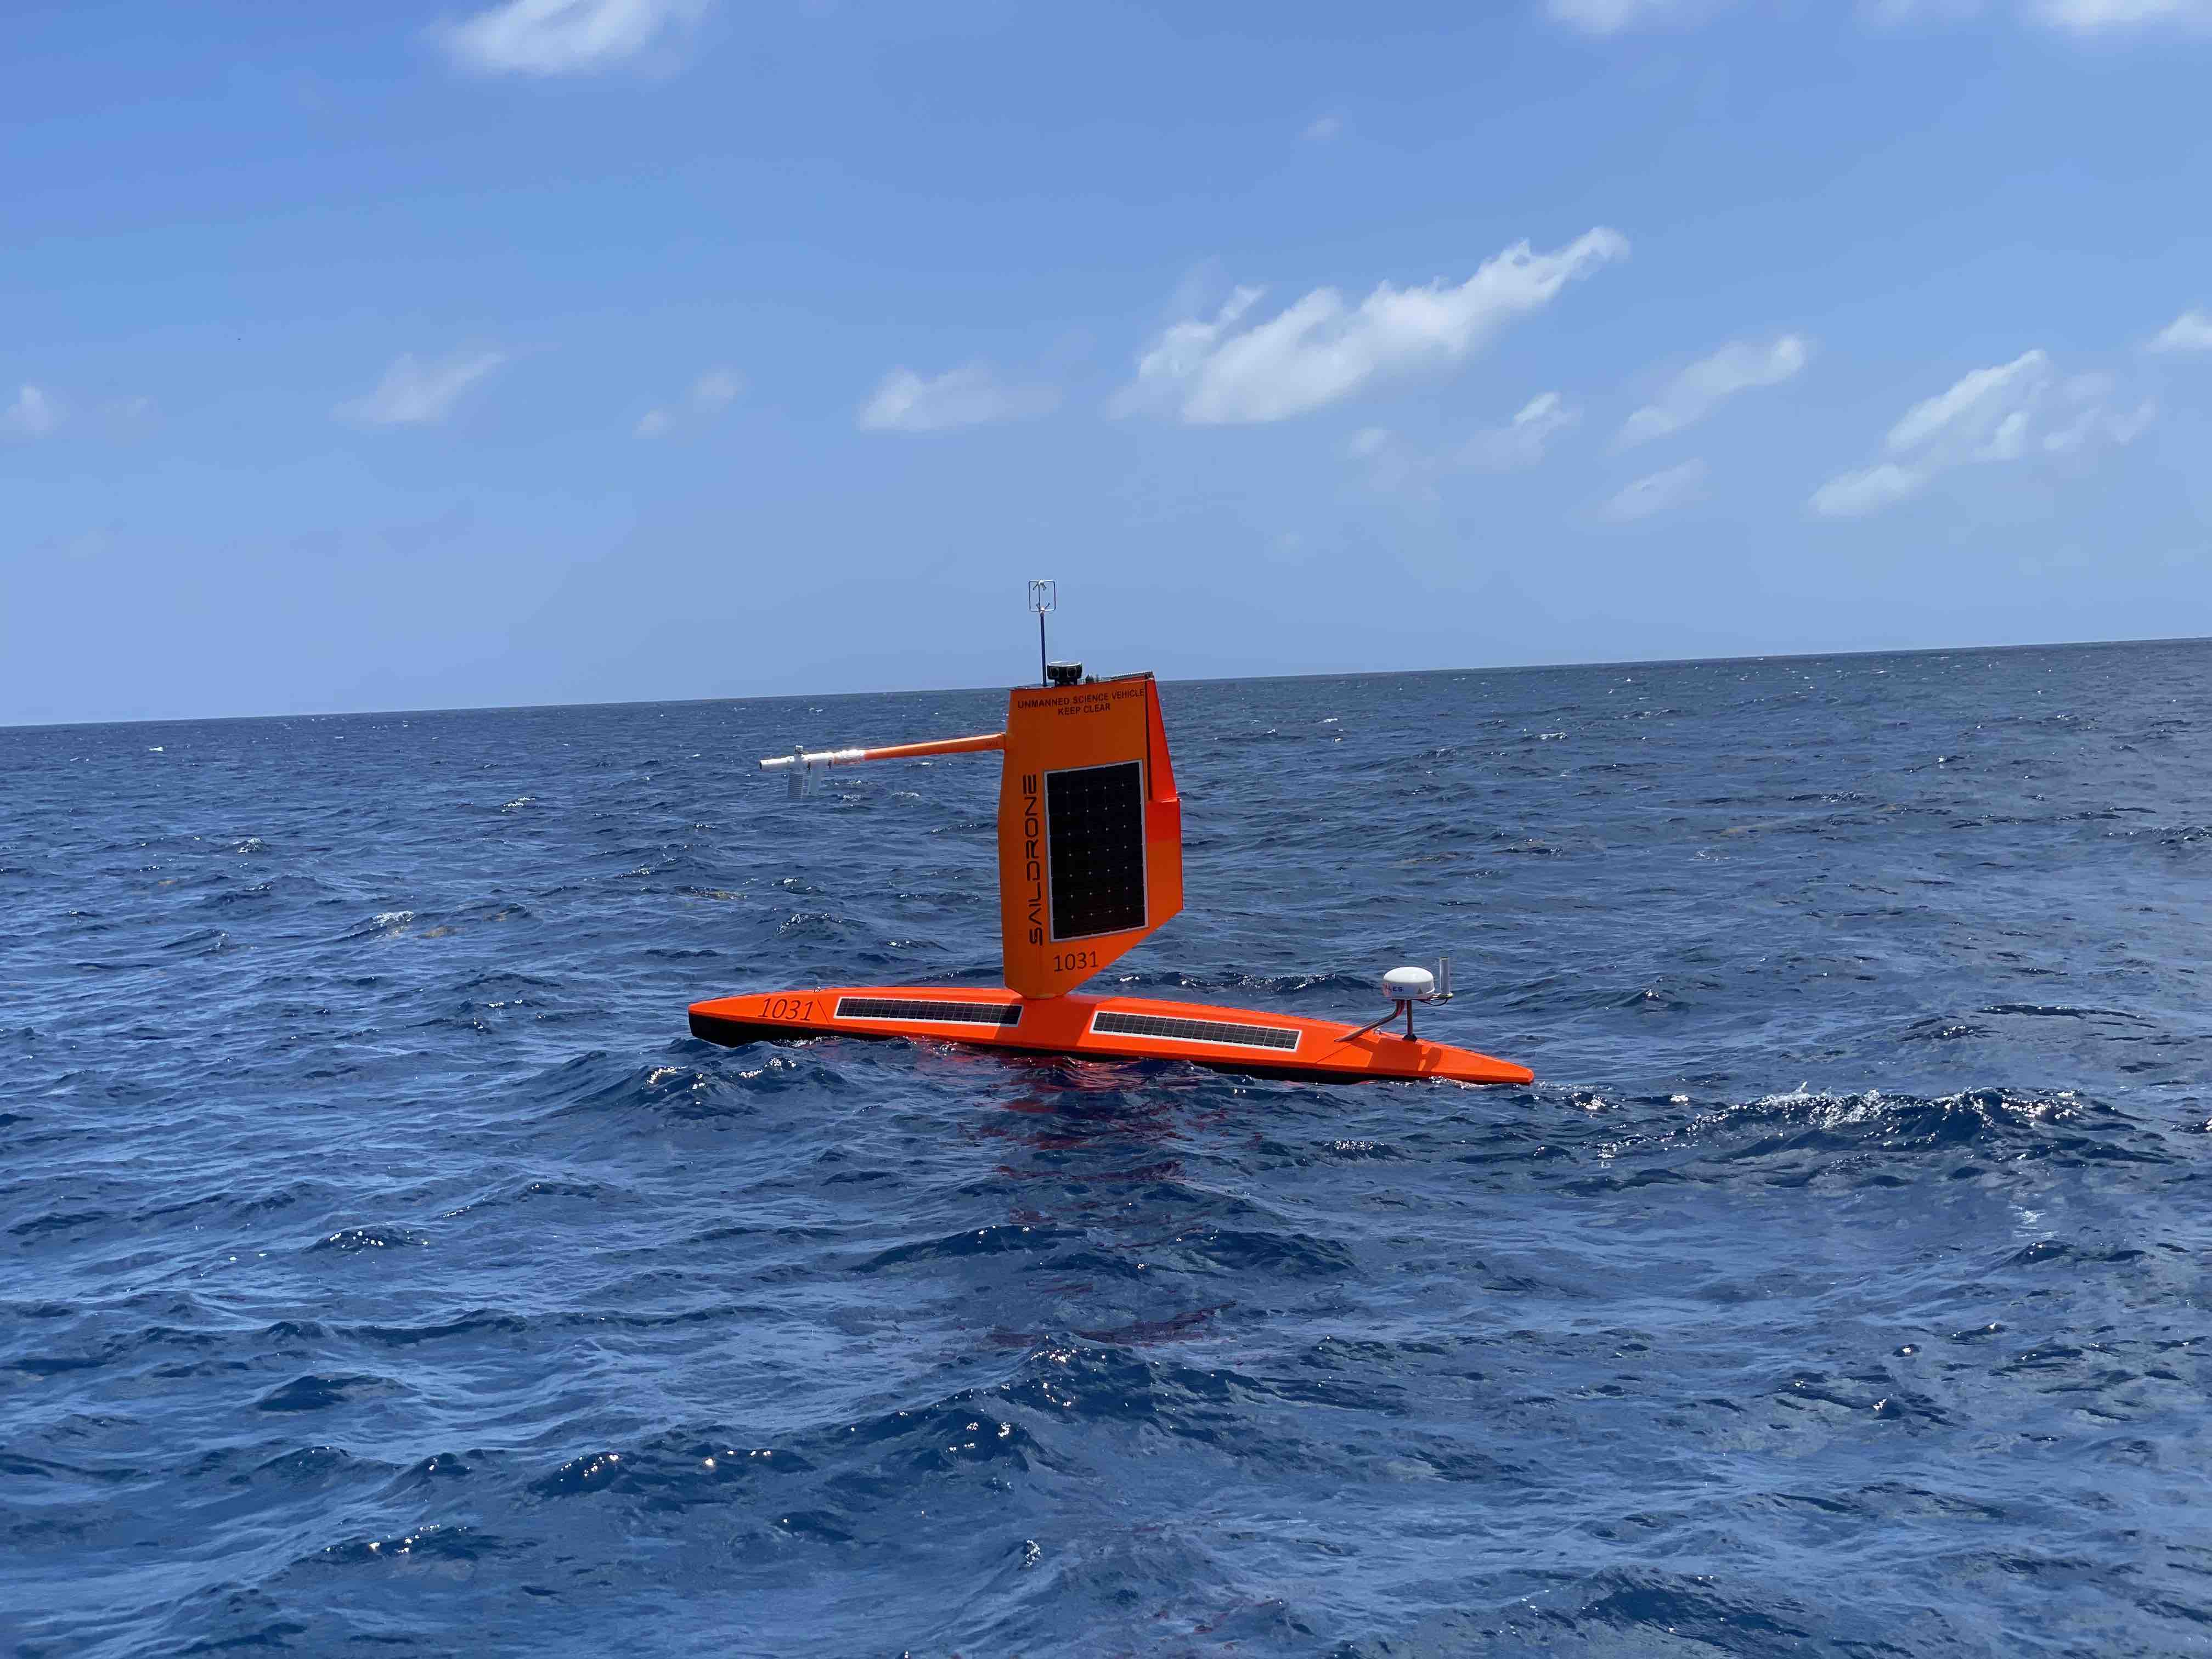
(387, 1271)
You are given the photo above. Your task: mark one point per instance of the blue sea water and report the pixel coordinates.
(388, 1271)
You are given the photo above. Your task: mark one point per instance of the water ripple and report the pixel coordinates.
(388, 1269)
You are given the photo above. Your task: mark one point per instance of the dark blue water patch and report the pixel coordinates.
(314, 1394)
(389, 1270)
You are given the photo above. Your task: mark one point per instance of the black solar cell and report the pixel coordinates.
(1095, 847)
(949, 1013)
(1114, 1024)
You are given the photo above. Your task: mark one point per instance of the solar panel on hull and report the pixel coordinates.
(1095, 848)
(947, 1013)
(1110, 1023)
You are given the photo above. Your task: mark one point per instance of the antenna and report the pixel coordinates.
(1043, 596)
(1406, 986)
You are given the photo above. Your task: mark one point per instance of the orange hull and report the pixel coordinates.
(1099, 1028)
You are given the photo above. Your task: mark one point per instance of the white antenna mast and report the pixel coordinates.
(1043, 596)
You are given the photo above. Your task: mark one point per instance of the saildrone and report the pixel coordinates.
(1089, 864)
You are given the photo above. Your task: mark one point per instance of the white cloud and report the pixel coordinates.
(1522, 442)
(2098, 425)
(1181, 356)
(1920, 11)
(2103, 16)
(2190, 332)
(1603, 17)
(1660, 492)
(968, 395)
(2094, 422)
(710, 394)
(1711, 381)
(562, 37)
(1983, 418)
(1327, 127)
(418, 393)
(1989, 417)
(1392, 469)
(2083, 18)
(1854, 495)
(2124, 429)
(1321, 350)
(715, 390)
(32, 414)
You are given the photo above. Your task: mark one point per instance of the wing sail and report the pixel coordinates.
(1090, 830)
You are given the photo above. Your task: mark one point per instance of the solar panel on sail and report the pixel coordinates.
(1095, 848)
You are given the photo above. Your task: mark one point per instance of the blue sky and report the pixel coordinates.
(553, 351)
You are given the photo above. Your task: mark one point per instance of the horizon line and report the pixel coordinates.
(1200, 679)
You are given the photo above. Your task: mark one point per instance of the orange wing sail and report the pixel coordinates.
(1090, 830)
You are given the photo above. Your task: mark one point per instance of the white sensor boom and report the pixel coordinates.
(804, 768)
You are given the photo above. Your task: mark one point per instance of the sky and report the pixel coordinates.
(454, 354)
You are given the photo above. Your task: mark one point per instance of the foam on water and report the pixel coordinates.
(388, 1270)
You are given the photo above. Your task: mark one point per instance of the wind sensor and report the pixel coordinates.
(1089, 865)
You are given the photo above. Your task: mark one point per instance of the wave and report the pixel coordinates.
(1806, 1136)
